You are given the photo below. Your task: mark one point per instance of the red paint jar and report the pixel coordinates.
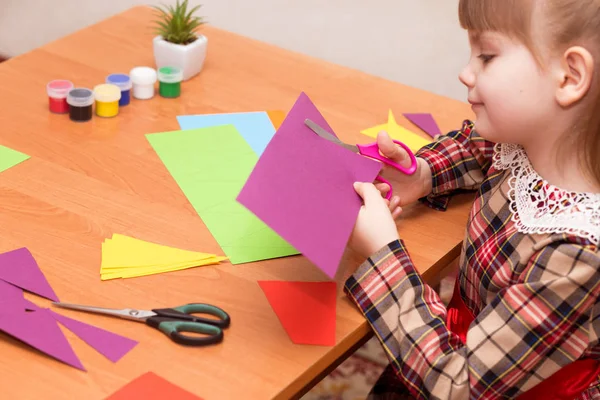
(57, 95)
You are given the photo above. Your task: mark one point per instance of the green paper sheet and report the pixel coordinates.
(10, 158)
(211, 165)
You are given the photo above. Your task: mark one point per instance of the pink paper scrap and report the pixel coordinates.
(425, 122)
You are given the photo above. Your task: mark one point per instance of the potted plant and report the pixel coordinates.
(178, 44)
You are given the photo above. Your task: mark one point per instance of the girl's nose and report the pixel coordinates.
(467, 76)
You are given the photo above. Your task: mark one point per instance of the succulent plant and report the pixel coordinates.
(177, 24)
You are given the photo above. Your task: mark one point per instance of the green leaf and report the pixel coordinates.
(177, 24)
(192, 11)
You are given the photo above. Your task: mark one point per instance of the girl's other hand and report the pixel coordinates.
(375, 226)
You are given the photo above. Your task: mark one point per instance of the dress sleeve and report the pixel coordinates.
(526, 332)
(459, 161)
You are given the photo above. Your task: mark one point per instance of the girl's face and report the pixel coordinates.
(512, 97)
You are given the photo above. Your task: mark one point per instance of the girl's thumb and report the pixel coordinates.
(359, 188)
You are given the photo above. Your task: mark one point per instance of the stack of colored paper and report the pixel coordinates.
(127, 257)
(210, 159)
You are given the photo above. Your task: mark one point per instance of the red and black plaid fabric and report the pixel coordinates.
(534, 295)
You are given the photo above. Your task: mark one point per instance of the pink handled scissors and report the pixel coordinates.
(369, 150)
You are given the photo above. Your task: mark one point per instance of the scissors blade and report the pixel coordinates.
(326, 135)
(126, 313)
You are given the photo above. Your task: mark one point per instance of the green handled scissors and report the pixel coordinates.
(172, 321)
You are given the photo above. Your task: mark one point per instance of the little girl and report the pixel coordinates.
(524, 321)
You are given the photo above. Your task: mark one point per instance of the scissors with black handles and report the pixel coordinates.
(369, 150)
(173, 322)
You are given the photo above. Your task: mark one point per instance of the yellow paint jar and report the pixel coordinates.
(107, 99)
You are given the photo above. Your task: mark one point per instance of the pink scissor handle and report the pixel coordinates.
(372, 151)
(383, 180)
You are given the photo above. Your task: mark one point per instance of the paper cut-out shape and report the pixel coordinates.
(19, 268)
(426, 122)
(398, 132)
(255, 127)
(302, 187)
(38, 326)
(11, 297)
(127, 257)
(109, 344)
(9, 158)
(211, 165)
(39, 330)
(150, 386)
(306, 310)
(276, 117)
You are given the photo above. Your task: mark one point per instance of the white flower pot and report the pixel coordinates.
(190, 58)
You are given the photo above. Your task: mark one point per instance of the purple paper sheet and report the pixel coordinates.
(19, 268)
(39, 330)
(302, 188)
(109, 344)
(11, 297)
(425, 122)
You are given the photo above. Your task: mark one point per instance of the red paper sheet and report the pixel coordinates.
(150, 386)
(305, 309)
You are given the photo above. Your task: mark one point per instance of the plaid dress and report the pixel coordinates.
(529, 272)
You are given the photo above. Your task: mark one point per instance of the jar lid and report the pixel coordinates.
(80, 97)
(107, 92)
(121, 80)
(170, 74)
(143, 75)
(59, 88)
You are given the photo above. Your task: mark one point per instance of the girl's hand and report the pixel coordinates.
(375, 226)
(412, 187)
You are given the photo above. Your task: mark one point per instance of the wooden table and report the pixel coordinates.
(86, 181)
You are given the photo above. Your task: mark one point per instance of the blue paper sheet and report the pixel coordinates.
(255, 127)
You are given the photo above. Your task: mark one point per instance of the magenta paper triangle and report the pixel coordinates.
(11, 297)
(302, 188)
(39, 330)
(110, 345)
(19, 268)
(425, 122)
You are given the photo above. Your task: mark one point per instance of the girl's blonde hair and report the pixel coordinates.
(567, 23)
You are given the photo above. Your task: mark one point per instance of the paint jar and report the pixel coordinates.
(124, 83)
(80, 102)
(57, 95)
(143, 80)
(169, 81)
(107, 98)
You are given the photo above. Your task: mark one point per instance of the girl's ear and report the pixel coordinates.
(575, 75)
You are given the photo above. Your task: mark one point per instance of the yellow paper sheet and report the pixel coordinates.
(127, 257)
(125, 250)
(398, 132)
(151, 270)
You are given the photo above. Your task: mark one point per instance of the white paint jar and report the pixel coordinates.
(143, 80)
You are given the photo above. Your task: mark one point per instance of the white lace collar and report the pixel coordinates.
(539, 207)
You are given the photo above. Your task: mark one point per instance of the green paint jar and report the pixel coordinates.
(169, 81)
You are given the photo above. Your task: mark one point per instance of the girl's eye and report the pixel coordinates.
(486, 58)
